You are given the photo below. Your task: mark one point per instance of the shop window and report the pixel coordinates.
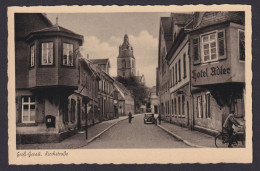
(67, 54)
(28, 109)
(73, 110)
(241, 48)
(32, 56)
(47, 53)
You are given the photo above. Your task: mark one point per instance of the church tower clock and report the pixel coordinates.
(126, 59)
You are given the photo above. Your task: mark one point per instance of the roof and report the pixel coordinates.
(56, 29)
(100, 61)
(181, 18)
(122, 87)
(167, 30)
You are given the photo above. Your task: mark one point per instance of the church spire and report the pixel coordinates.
(126, 39)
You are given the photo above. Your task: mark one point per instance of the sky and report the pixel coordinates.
(104, 32)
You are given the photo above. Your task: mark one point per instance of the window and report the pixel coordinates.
(32, 56)
(73, 109)
(172, 108)
(28, 109)
(207, 98)
(173, 80)
(183, 103)
(133, 64)
(175, 107)
(179, 105)
(123, 64)
(241, 48)
(213, 46)
(47, 53)
(67, 54)
(171, 77)
(199, 107)
(123, 74)
(184, 66)
(176, 74)
(209, 48)
(179, 70)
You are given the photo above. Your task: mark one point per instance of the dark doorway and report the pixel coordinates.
(79, 115)
(156, 109)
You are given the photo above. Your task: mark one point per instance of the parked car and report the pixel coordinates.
(149, 118)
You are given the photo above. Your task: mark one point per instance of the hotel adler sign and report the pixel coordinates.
(211, 74)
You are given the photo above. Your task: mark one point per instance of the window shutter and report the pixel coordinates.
(39, 102)
(221, 45)
(196, 51)
(18, 109)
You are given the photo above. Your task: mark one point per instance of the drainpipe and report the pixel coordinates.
(192, 99)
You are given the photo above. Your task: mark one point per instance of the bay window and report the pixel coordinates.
(47, 53)
(67, 54)
(28, 109)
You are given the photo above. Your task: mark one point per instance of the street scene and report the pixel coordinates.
(130, 80)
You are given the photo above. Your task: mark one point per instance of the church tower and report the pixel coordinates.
(126, 59)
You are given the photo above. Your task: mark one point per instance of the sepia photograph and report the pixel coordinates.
(170, 79)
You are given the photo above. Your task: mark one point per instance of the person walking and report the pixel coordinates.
(130, 117)
(159, 118)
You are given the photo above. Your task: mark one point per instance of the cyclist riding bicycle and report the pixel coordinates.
(227, 127)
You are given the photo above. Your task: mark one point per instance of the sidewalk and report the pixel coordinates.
(190, 137)
(78, 140)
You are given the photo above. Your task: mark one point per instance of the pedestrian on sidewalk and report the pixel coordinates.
(159, 118)
(130, 117)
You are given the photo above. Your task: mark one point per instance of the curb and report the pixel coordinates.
(99, 134)
(180, 138)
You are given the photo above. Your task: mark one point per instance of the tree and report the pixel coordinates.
(138, 89)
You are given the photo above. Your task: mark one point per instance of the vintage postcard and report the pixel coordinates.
(129, 84)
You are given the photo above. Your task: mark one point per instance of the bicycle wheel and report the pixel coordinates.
(219, 143)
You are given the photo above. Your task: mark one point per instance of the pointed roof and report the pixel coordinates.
(167, 30)
(102, 61)
(54, 31)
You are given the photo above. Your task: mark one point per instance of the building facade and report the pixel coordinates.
(179, 80)
(201, 78)
(46, 59)
(58, 91)
(217, 68)
(154, 101)
(125, 99)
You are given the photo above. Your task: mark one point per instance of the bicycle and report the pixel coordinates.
(222, 139)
